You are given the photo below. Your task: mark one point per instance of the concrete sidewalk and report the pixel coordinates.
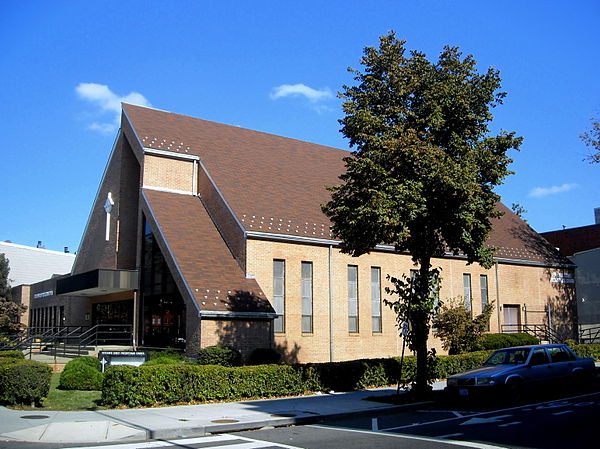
(183, 421)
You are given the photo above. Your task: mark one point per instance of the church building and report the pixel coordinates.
(203, 233)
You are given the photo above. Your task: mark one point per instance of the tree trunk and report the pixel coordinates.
(421, 328)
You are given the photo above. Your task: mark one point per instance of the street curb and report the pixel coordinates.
(275, 422)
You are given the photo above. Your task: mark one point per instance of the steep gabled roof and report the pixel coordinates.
(214, 279)
(575, 240)
(265, 178)
(276, 185)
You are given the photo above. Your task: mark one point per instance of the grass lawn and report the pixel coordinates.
(70, 399)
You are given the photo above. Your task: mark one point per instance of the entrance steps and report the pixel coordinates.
(66, 350)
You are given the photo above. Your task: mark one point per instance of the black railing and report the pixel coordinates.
(540, 331)
(68, 340)
(589, 334)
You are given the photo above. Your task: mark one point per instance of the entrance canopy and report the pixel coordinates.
(98, 282)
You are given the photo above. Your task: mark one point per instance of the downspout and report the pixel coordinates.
(135, 319)
(330, 303)
(498, 299)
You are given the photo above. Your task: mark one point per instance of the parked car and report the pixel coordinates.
(512, 371)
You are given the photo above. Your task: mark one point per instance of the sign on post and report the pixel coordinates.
(132, 358)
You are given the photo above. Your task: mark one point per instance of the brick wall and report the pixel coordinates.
(21, 295)
(526, 286)
(244, 335)
(121, 179)
(168, 173)
(222, 217)
(76, 309)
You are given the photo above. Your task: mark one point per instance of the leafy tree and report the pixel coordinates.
(9, 311)
(457, 328)
(592, 139)
(518, 209)
(422, 175)
(4, 283)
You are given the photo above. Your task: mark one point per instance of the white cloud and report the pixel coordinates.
(540, 192)
(108, 103)
(300, 90)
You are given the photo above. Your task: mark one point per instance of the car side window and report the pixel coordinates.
(539, 357)
(559, 354)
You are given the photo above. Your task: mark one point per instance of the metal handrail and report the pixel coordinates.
(98, 334)
(71, 339)
(589, 335)
(541, 331)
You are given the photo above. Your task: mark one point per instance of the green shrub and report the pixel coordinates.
(448, 365)
(587, 350)
(570, 343)
(87, 360)
(82, 373)
(459, 330)
(499, 341)
(265, 381)
(12, 355)
(167, 360)
(23, 381)
(264, 356)
(170, 384)
(219, 355)
(166, 353)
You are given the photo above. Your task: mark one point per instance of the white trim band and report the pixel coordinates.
(171, 154)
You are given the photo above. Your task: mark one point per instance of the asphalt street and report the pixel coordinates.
(567, 422)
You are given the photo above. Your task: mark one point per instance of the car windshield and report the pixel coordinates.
(514, 356)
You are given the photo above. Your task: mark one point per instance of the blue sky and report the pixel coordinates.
(274, 66)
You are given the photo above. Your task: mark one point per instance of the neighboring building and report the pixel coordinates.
(582, 246)
(29, 265)
(203, 233)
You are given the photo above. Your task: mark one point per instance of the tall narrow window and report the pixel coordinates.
(467, 290)
(483, 280)
(376, 298)
(352, 298)
(307, 297)
(279, 295)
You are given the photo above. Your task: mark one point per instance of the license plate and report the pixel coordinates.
(463, 392)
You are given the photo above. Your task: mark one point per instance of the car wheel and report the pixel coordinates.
(514, 390)
(579, 381)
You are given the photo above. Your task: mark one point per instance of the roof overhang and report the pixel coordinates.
(98, 282)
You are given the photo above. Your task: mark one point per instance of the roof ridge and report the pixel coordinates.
(32, 248)
(278, 136)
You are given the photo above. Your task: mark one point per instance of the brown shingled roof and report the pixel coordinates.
(269, 181)
(516, 240)
(575, 240)
(276, 184)
(215, 280)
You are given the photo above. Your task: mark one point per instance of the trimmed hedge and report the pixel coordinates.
(219, 355)
(82, 373)
(587, 350)
(499, 341)
(176, 383)
(169, 384)
(23, 381)
(12, 355)
(168, 353)
(167, 360)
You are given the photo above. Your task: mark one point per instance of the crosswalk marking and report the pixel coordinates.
(209, 442)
